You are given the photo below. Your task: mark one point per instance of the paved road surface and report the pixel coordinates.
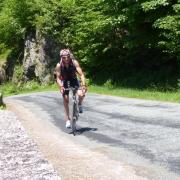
(142, 134)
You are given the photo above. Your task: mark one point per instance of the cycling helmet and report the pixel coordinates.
(65, 52)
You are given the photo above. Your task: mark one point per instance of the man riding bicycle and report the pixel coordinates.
(66, 72)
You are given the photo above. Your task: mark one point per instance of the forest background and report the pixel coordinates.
(119, 43)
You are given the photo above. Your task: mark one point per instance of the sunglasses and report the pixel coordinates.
(64, 57)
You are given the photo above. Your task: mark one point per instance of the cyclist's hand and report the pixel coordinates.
(84, 89)
(62, 89)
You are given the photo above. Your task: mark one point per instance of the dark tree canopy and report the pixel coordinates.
(113, 39)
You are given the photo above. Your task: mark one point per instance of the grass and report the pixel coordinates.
(135, 93)
(170, 96)
(9, 89)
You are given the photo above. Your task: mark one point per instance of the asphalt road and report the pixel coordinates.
(143, 134)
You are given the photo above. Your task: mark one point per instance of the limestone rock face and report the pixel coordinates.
(40, 57)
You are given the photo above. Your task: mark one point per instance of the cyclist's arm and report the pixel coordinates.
(58, 75)
(80, 72)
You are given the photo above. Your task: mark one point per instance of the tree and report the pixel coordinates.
(14, 21)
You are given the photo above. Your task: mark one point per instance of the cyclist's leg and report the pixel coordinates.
(80, 93)
(80, 100)
(66, 106)
(66, 102)
(81, 96)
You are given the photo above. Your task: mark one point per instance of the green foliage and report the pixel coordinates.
(14, 21)
(2, 48)
(18, 73)
(3, 55)
(154, 4)
(2, 107)
(10, 88)
(112, 39)
(30, 85)
(17, 88)
(108, 84)
(50, 16)
(178, 83)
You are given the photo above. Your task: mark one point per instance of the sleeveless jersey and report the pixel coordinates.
(68, 73)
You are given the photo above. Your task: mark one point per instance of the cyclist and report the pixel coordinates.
(66, 71)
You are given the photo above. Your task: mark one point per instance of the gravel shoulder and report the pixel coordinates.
(70, 160)
(20, 157)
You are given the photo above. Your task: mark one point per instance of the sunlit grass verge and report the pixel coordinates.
(135, 93)
(32, 86)
(10, 89)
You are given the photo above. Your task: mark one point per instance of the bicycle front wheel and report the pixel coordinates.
(74, 118)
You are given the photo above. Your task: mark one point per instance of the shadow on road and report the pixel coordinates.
(84, 129)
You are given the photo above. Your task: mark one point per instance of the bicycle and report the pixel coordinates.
(75, 108)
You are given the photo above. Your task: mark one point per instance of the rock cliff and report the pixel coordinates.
(41, 54)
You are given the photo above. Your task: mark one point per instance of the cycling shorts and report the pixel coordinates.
(72, 83)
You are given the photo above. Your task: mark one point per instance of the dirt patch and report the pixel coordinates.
(71, 160)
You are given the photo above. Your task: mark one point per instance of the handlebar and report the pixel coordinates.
(71, 88)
